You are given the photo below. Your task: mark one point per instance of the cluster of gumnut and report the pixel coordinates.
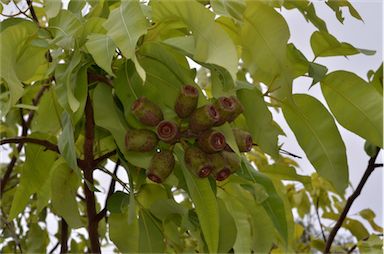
(205, 149)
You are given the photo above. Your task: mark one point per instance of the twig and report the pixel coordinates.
(32, 10)
(111, 189)
(124, 185)
(64, 237)
(97, 161)
(370, 168)
(21, 140)
(319, 220)
(93, 77)
(284, 152)
(54, 248)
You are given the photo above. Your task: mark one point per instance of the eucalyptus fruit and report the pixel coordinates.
(161, 166)
(205, 149)
(146, 111)
(186, 101)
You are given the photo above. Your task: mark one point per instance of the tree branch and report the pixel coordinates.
(32, 10)
(319, 220)
(111, 189)
(103, 157)
(21, 140)
(24, 132)
(370, 168)
(88, 168)
(64, 236)
(93, 77)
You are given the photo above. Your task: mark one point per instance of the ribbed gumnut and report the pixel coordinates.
(146, 111)
(221, 169)
(232, 160)
(167, 131)
(197, 162)
(203, 118)
(227, 109)
(140, 140)
(211, 141)
(161, 166)
(186, 101)
(243, 140)
(237, 111)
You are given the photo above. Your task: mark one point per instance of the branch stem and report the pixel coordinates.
(64, 237)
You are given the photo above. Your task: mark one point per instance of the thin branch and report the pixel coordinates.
(370, 168)
(88, 168)
(283, 151)
(124, 185)
(21, 140)
(32, 10)
(54, 248)
(64, 237)
(97, 161)
(111, 189)
(319, 220)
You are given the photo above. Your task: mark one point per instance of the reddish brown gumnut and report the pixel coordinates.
(140, 140)
(226, 107)
(197, 162)
(243, 140)
(238, 109)
(161, 166)
(232, 160)
(167, 131)
(221, 169)
(211, 141)
(186, 101)
(146, 111)
(203, 118)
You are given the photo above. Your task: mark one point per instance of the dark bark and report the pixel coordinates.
(64, 237)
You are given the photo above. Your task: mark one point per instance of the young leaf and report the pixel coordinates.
(64, 185)
(356, 105)
(205, 203)
(317, 72)
(259, 120)
(228, 230)
(317, 133)
(102, 50)
(210, 39)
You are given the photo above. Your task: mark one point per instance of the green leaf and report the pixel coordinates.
(37, 239)
(15, 44)
(52, 8)
(324, 44)
(374, 244)
(108, 117)
(47, 116)
(336, 6)
(356, 105)
(63, 28)
(273, 205)
(259, 120)
(102, 50)
(229, 8)
(228, 230)
(64, 185)
(317, 134)
(210, 39)
(66, 143)
(151, 238)
(354, 226)
(240, 214)
(317, 72)
(230, 139)
(298, 61)
(377, 81)
(264, 37)
(125, 25)
(151, 193)
(205, 203)
(35, 172)
(283, 172)
(119, 225)
(118, 202)
(369, 215)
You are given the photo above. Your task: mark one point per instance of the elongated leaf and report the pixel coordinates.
(205, 203)
(125, 25)
(34, 174)
(210, 39)
(108, 117)
(283, 172)
(273, 205)
(356, 105)
(63, 28)
(119, 225)
(151, 238)
(228, 230)
(325, 44)
(264, 37)
(64, 185)
(102, 50)
(229, 8)
(317, 134)
(259, 120)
